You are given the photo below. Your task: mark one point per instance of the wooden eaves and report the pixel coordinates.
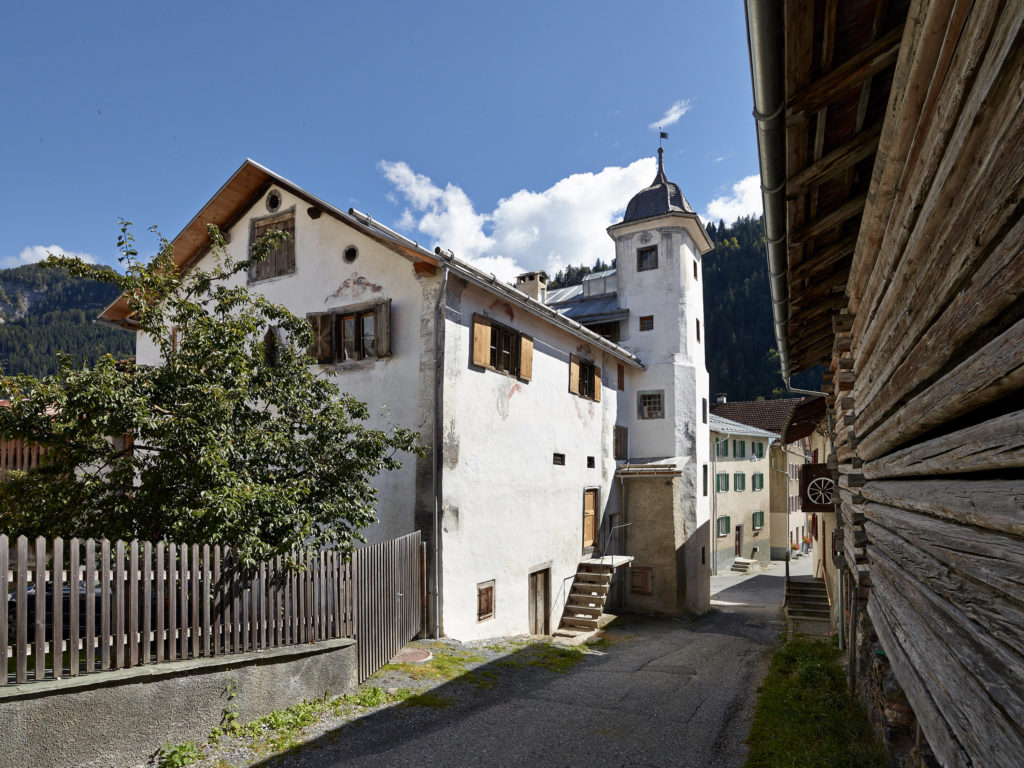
(238, 194)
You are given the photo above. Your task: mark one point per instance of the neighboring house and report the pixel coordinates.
(788, 524)
(891, 143)
(530, 416)
(741, 472)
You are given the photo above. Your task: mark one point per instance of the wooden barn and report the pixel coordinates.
(891, 138)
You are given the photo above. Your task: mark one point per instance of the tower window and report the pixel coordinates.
(647, 258)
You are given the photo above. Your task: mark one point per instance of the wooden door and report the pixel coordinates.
(539, 602)
(589, 517)
(739, 541)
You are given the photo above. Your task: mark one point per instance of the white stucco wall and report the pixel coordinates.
(508, 509)
(322, 282)
(671, 352)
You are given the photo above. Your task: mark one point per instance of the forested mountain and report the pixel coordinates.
(45, 311)
(741, 356)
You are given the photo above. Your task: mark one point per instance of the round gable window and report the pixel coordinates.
(273, 201)
(351, 253)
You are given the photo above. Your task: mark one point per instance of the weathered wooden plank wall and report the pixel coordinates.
(930, 437)
(388, 600)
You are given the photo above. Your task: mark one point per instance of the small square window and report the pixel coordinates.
(647, 258)
(558, 459)
(590, 462)
(647, 323)
(485, 601)
(651, 405)
(641, 580)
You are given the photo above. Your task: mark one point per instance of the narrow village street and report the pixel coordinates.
(658, 693)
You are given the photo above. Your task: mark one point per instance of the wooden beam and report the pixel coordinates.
(997, 444)
(870, 61)
(822, 224)
(838, 160)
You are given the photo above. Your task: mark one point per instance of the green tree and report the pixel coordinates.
(233, 438)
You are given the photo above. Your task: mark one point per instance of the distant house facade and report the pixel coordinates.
(530, 416)
(741, 478)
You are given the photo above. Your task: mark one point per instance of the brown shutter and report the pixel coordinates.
(481, 341)
(322, 348)
(574, 374)
(597, 384)
(382, 327)
(525, 358)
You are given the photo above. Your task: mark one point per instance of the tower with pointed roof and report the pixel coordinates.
(658, 249)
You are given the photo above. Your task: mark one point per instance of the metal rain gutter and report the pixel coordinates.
(514, 295)
(766, 45)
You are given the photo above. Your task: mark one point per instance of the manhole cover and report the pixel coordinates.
(412, 656)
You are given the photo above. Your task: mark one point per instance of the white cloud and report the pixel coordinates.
(34, 253)
(672, 115)
(564, 224)
(745, 200)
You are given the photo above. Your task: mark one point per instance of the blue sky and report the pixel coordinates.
(511, 133)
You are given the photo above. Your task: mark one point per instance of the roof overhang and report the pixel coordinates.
(689, 221)
(229, 204)
(805, 419)
(627, 471)
(822, 77)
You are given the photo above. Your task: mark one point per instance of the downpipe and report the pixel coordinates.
(439, 315)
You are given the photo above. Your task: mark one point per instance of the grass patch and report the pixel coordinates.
(556, 658)
(804, 716)
(447, 664)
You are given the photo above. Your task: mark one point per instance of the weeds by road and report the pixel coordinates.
(473, 667)
(805, 717)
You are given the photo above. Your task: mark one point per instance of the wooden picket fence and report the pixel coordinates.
(18, 455)
(127, 604)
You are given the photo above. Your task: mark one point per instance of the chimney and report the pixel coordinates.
(721, 398)
(534, 285)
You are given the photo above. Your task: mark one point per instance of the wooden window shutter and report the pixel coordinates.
(597, 384)
(574, 374)
(322, 348)
(525, 358)
(481, 341)
(382, 328)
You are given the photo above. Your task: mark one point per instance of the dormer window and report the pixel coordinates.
(647, 258)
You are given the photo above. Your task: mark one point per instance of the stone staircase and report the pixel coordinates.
(807, 600)
(743, 565)
(586, 600)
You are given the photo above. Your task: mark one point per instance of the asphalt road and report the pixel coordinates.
(663, 693)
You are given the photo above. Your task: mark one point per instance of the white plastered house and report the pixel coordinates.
(523, 408)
